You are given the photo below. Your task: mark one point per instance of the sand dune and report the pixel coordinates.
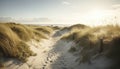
(53, 53)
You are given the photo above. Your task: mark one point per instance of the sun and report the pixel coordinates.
(96, 14)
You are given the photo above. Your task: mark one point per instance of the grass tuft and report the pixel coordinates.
(13, 39)
(89, 42)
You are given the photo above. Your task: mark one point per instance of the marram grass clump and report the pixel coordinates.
(23, 32)
(24, 51)
(96, 41)
(8, 41)
(13, 39)
(44, 29)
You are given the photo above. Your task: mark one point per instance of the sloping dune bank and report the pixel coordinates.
(74, 47)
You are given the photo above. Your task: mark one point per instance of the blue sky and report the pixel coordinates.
(56, 11)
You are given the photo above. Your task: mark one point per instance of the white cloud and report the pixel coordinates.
(35, 20)
(66, 3)
(24, 20)
(6, 19)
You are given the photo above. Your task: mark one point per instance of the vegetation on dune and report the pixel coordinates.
(61, 32)
(44, 29)
(38, 35)
(12, 42)
(8, 41)
(71, 29)
(12, 46)
(56, 27)
(24, 51)
(78, 26)
(23, 32)
(90, 40)
(13, 37)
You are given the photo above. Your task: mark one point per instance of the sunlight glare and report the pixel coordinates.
(96, 15)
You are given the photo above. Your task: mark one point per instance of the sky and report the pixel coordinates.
(90, 12)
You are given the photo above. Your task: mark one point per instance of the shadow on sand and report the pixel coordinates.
(64, 60)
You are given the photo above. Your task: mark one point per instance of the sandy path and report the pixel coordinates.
(52, 53)
(60, 57)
